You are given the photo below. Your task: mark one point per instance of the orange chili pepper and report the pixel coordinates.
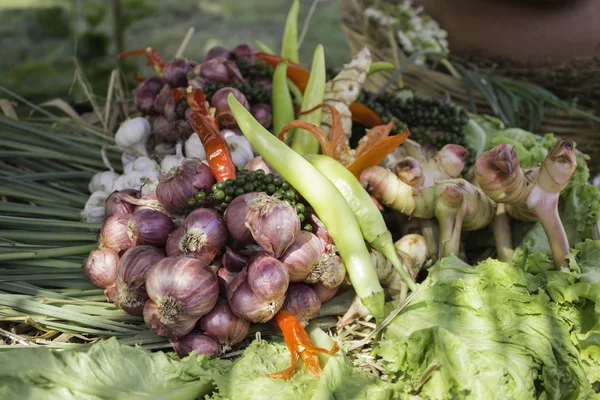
(215, 146)
(295, 72)
(154, 59)
(312, 128)
(298, 342)
(364, 115)
(377, 152)
(373, 136)
(338, 138)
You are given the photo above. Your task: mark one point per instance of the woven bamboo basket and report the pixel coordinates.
(429, 83)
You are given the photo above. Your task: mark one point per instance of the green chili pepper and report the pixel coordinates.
(296, 92)
(369, 218)
(304, 142)
(289, 44)
(379, 66)
(281, 100)
(326, 200)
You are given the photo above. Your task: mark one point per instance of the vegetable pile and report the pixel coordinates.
(259, 197)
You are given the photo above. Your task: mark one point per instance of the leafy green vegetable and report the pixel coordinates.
(108, 370)
(247, 379)
(340, 379)
(496, 332)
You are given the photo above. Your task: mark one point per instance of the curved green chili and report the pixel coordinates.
(289, 44)
(327, 201)
(304, 142)
(369, 218)
(281, 99)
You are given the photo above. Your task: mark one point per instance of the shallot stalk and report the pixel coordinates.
(531, 194)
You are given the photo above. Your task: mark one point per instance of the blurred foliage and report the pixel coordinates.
(39, 38)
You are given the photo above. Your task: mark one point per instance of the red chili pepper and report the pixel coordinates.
(298, 342)
(364, 115)
(295, 72)
(154, 59)
(215, 146)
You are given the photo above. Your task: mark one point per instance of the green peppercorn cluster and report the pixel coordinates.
(259, 69)
(251, 89)
(251, 181)
(431, 121)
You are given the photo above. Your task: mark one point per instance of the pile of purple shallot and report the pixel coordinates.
(200, 276)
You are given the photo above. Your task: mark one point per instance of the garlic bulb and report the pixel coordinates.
(193, 147)
(94, 207)
(145, 164)
(135, 179)
(133, 134)
(240, 149)
(119, 183)
(127, 159)
(149, 187)
(103, 181)
(172, 160)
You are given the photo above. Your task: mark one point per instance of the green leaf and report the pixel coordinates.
(106, 371)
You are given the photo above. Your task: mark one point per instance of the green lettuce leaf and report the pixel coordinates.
(496, 333)
(108, 370)
(340, 379)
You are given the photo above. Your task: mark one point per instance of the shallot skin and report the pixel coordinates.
(186, 281)
(176, 188)
(258, 291)
(223, 325)
(133, 270)
(101, 267)
(302, 302)
(195, 341)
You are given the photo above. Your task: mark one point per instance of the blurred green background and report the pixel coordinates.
(39, 39)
